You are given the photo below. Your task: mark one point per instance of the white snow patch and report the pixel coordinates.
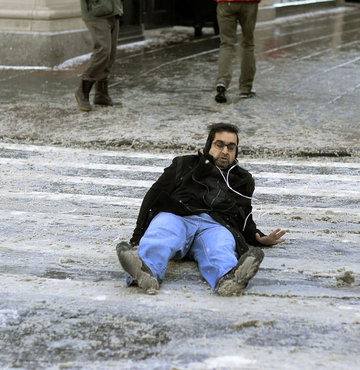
(100, 298)
(300, 2)
(347, 308)
(224, 362)
(21, 68)
(70, 63)
(7, 315)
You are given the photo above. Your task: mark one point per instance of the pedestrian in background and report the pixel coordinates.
(229, 13)
(102, 19)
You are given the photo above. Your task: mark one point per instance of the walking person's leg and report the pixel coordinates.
(227, 26)
(96, 69)
(101, 86)
(247, 19)
(114, 35)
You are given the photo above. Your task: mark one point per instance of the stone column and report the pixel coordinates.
(41, 32)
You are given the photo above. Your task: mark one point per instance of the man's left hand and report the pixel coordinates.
(272, 238)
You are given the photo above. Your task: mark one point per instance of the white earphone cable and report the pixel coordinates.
(236, 192)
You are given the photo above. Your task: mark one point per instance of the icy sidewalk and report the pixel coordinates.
(64, 302)
(307, 86)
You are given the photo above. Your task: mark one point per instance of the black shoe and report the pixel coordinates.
(220, 96)
(198, 31)
(236, 280)
(247, 95)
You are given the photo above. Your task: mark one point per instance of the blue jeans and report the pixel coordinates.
(197, 237)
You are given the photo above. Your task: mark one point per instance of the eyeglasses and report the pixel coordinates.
(221, 145)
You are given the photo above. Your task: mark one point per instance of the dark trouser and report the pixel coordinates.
(104, 32)
(228, 14)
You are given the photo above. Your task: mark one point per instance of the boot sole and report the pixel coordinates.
(247, 270)
(85, 109)
(229, 288)
(247, 96)
(114, 105)
(132, 264)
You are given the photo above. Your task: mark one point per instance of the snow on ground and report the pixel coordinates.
(72, 183)
(64, 302)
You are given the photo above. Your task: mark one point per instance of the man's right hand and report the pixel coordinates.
(271, 239)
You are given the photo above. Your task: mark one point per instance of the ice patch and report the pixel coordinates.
(67, 64)
(26, 68)
(347, 308)
(224, 362)
(100, 298)
(356, 314)
(7, 315)
(228, 361)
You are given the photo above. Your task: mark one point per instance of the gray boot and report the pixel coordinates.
(101, 93)
(137, 270)
(236, 280)
(82, 95)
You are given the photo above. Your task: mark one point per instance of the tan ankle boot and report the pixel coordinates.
(82, 95)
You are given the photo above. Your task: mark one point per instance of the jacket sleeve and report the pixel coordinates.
(250, 232)
(165, 183)
(250, 229)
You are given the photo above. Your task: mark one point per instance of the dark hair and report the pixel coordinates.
(220, 127)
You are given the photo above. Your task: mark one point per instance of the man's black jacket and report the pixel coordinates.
(186, 187)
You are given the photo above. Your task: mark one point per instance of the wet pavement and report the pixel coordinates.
(72, 183)
(307, 83)
(63, 298)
